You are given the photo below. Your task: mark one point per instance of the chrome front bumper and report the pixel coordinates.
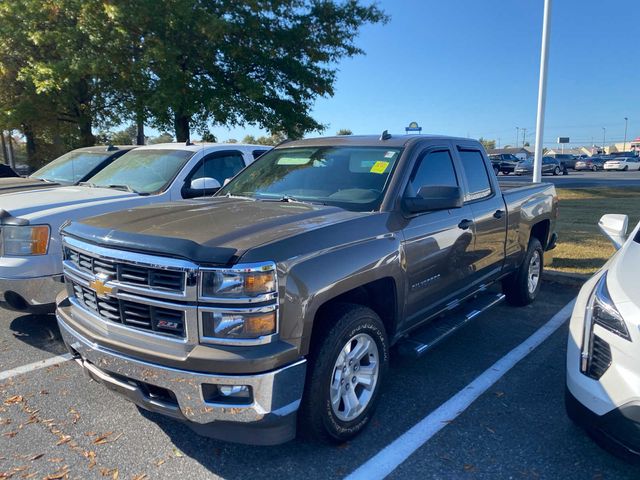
(275, 395)
(30, 294)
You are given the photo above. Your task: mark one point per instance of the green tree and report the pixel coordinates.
(261, 62)
(487, 144)
(344, 131)
(164, 137)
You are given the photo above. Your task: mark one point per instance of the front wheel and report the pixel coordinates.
(556, 171)
(346, 368)
(522, 287)
(594, 169)
(626, 167)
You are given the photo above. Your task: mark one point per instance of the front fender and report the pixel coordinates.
(311, 281)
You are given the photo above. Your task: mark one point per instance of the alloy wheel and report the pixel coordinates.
(355, 376)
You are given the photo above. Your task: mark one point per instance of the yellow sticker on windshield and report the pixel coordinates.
(379, 167)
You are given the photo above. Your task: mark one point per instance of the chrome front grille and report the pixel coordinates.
(127, 273)
(138, 315)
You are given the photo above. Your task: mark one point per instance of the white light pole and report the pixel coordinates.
(626, 120)
(542, 92)
(604, 134)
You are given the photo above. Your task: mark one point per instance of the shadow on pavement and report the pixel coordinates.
(39, 331)
(237, 461)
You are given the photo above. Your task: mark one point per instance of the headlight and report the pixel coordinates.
(23, 240)
(604, 312)
(238, 325)
(238, 283)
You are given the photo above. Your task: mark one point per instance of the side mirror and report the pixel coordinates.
(431, 198)
(614, 226)
(201, 187)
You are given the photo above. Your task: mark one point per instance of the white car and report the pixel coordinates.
(622, 163)
(603, 351)
(30, 250)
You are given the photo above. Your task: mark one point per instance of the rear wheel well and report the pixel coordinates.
(379, 295)
(541, 231)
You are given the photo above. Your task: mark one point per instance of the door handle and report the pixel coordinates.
(465, 224)
(498, 214)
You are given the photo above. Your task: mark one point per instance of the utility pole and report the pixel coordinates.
(12, 161)
(626, 121)
(4, 147)
(517, 136)
(604, 134)
(524, 136)
(542, 92)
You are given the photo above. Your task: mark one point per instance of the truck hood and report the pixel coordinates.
(17, 184)
(213, 231)
(71, 201)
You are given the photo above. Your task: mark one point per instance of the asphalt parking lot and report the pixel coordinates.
(583, 179)
(53, 421)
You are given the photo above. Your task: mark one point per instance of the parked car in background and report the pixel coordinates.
(283, 294)
(565, 159)
(622, 164)
(504, 163)
(550, 165)
(590, 163)
(7, 171)
(69, 169)
(31, 257)
(603, 352)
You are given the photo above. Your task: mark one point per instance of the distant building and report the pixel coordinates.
(577, 151)
(522, 153)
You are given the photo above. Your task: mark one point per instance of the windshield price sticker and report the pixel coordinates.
(379, 167)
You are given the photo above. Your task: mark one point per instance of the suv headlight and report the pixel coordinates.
(25, 240)
(605, 313)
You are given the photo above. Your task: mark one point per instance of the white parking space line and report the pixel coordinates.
(389, 458)
(35, 366)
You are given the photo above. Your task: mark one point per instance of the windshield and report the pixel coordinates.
(353, 178)
(71, 167)
(142, 171)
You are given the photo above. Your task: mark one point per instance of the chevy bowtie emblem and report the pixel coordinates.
(98, 286)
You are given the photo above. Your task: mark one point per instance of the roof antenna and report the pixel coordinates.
(385, 135)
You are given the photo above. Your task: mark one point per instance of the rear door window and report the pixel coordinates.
(475, 171)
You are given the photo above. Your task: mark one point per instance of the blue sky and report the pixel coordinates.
(470, 68)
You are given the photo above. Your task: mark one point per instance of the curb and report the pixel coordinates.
(563, 278)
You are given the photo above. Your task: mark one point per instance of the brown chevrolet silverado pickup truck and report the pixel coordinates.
(274, 304)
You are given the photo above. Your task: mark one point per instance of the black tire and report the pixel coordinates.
(316, 418)
(626, 167)
(594, 169)
(516, 286)
(556, 171)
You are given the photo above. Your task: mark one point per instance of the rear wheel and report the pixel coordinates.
(522, 286)
(346, 369)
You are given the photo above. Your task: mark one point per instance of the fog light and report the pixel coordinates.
(231, 394)
(241, 391)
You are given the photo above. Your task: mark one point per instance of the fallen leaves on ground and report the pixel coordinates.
(102, 439)
(14, 399)
(110, 472)
(61, 473)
